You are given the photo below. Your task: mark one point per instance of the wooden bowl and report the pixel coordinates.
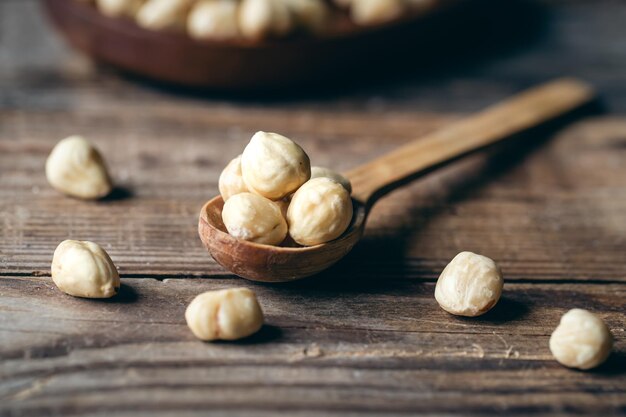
(235, 64)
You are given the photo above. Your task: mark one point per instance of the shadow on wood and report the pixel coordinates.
(126, 295)
(268, 333)
(118, 193)
(507, 309)
(614, 365)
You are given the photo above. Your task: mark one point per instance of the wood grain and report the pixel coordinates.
(552, 212)
(326, 348)
(365, 337)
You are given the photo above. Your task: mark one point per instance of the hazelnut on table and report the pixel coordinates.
(84, 269)
(77, 169)
(581, 340)
(470, 285)
(224, 315)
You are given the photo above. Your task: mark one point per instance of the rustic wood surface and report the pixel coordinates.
(364, 337)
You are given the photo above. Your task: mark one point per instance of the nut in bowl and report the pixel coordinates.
(203, 44)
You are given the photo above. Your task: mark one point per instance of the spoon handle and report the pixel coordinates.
(500, 121)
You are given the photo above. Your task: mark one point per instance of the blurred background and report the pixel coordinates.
(449, 56)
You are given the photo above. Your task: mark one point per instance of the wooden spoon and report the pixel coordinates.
(370, 181)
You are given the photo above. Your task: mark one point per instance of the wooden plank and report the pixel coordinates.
(553, 212)
(358, 345)
(365, 337)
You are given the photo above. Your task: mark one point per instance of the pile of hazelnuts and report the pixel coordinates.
(271, 192)
(257, 19)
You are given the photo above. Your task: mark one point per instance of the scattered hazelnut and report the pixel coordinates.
(318, 172)
(231, 182)
(213, 19)
(320, 211)
(254, 218)
(260, 19)
(274, 166)
(470, 285)
(115, 8)
(224, 315)
(163, 14)
(84, 269)
(76, 168)
(581, 340)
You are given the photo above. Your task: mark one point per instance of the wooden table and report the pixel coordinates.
(367, 336)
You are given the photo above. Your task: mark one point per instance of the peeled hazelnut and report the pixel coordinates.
(163, 14)
(231, 182)
(76, 168)
(581, 340)
(470, 285)
(320, 211)
(260, 19)
(254, 218)
(213, 19)
(115, 8)
(319, 172)
(274, 166)
(84, 269)
(372, 12)
(224, 315)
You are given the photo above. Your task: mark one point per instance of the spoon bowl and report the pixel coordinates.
(372, 180)
(268, 263)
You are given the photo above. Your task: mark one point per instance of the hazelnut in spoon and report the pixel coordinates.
(259, 262)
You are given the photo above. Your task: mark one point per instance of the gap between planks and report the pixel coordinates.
(226, 276)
